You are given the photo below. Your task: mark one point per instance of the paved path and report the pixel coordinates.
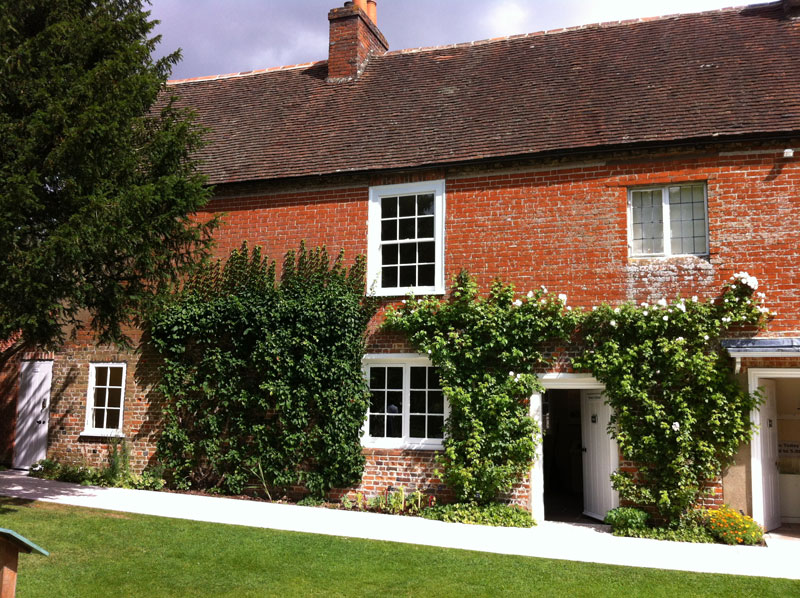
(591, 544)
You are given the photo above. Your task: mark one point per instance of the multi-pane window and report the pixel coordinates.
(105, 397)
(407, 405)
(669, 220)
(408, 246)
(406, 238)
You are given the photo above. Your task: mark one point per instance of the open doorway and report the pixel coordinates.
(570, 479)
(562, 456)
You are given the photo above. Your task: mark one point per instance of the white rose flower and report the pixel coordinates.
(517, 302)
(613, 323)
(616, 310)
(676, 426)
(665, 318)
(645, 313)
(705, 337)
(694, 298)
(662, 302)
(562, 297)
(681, 306)
(530, 294)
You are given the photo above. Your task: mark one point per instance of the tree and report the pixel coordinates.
(98, 179)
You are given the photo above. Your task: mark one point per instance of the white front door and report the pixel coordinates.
(769, 456)
(600, 455)
(33, 404)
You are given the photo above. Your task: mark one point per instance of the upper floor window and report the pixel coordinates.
(105, 399)
(406, 238)
(407, 407)
(668, 220)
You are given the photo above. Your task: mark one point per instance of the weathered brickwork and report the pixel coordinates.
(562, 226)
(142, 406)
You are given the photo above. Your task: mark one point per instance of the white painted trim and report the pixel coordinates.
(756, 471)
(374, 237)
(89, 429)
(739, 353)
(405, 443)
(570, 381)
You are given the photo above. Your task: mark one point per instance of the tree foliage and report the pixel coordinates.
(262, 378)
(97, 180)
(678, 412)
(486, 349)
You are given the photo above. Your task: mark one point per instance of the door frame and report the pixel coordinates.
(551, 382)
(756, 466)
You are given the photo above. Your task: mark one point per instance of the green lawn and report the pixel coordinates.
(104, 554)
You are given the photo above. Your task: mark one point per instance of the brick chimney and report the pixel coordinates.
(354, 36)
(792, 8)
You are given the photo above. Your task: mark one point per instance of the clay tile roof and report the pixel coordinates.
(699, 76)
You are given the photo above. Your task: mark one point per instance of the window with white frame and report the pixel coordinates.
(105, 399)
(406, 238)
(668, 220)
(407, 407)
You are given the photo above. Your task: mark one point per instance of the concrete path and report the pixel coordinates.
(593, 544)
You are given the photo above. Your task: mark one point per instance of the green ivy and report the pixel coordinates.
(262, 377)
(678, 412)
(486, 351)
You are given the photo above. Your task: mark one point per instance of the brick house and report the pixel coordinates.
(612, 162)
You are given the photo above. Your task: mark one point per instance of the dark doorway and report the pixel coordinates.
(562, 456)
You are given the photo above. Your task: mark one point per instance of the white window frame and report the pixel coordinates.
(665, 219)
(406, 361)
(89, 429)
(374, 237)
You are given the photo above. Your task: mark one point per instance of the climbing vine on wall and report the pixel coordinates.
(262, 375)
(678, 412)
(486, 349)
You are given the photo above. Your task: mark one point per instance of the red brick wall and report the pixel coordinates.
(564, 227)
(142, 406)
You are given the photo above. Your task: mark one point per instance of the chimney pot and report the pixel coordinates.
(362, 4)
(372, 11)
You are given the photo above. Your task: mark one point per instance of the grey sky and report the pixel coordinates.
(224, 36)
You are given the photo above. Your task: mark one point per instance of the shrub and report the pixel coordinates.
(116, 473)
(486, 350)
(496, 515)
(678, 411)
(732, 527)
(262, 377)
(627, 518)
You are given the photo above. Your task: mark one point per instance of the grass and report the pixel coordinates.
(104, 554)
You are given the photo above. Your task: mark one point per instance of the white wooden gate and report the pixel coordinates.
(600, 455)
(33, 405)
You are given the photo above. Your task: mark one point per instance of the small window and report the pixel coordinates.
(407, 406)
(105, 399)
(406, 238)
(669, 220)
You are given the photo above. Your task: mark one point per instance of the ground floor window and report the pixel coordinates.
(105, 399)
(407, 407)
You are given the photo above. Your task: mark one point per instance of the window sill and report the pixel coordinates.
(404, 292)
(667, 258)
(400, 444)
(100, 433)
